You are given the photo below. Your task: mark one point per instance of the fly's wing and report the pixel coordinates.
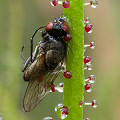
(36, 90)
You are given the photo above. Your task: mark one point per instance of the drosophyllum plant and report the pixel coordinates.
(72, 30)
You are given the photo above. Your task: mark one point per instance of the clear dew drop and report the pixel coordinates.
(92, 45)
(87, 118)
(90, 31)
(94, 103)
(85, 48)
(93, 3)
(61, 111)
(55, 2)
(47, 118)
(92, 78)
(89, 67)
(87, 20)
(59, 87)
(51, 4)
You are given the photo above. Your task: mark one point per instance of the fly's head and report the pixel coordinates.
(58, 28)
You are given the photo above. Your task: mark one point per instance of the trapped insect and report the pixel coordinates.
(47, 60)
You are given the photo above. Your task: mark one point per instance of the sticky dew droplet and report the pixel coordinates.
(93, 103)
(87, 60)
(86, 20)
(91, 79)
(67, 74)
(52, 88)
(81, 103)
(54, 2)
(93, 3)
(89, 67)
(87, 118)
(91, 45)
(61, 111)
(59, 87)
(66, 4)
(88, 87)
(47, 118)
(88, 28)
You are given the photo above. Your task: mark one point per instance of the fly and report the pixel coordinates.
(47, 60)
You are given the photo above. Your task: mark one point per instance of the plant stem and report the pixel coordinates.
(74, 87)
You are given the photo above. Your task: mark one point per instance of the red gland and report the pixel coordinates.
(89, 67)
(88, 28)
(61, 84)
(65, 110)
(67, 37)
(92, 45)
(89, 78)
(90, 3)
(54, 2)
(87, 119)
(53, 88)
(87, 59)
(81, 103)
(88, 86)
(67, 74)
(66, 4)
(94, 103)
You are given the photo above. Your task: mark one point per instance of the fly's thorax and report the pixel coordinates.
(55, 50)
(53, 43)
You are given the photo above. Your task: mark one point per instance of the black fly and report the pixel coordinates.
(45, 62)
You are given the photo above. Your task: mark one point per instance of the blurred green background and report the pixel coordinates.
(18, 21)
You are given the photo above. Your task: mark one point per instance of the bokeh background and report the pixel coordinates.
(18, 21)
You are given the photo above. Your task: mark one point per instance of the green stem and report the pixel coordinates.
(74, 87)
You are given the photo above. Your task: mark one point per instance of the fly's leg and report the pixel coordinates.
(31, 41)
(28, 61)
(21, 53)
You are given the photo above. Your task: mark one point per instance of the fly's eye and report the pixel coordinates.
(49, 26)
(65, 27)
